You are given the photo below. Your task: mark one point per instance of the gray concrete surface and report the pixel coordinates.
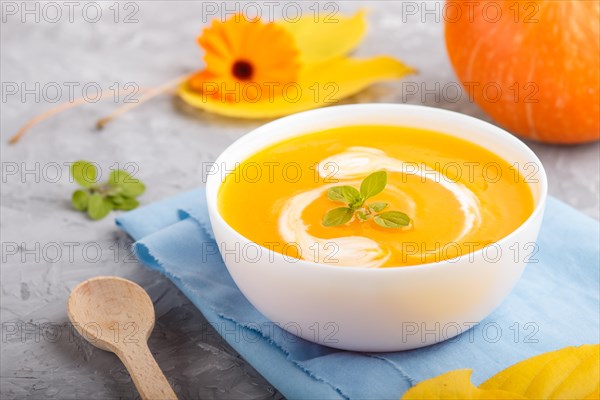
(167, 142)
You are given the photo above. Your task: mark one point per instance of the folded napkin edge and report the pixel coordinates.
(284, 351)
(204, 224)
(412, 381)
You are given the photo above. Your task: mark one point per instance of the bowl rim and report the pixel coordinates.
(212, 194)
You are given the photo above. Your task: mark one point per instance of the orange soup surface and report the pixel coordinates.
(459, 196)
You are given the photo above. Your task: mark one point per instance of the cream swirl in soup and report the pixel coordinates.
(361, 251)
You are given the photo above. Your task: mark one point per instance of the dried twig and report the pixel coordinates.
(153, 92)
(149, 94)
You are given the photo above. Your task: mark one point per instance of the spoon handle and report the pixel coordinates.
(145, 372)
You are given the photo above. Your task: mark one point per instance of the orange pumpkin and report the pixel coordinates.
(533, 66)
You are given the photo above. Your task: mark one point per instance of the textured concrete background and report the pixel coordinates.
(167, 141)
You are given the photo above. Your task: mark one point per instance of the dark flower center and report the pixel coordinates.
(242, 70)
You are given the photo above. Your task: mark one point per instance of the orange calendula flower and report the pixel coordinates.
(264, 70)
(241, 51)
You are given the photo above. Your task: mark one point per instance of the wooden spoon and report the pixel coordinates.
(117, 315)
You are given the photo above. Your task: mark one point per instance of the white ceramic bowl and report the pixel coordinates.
(384, 309)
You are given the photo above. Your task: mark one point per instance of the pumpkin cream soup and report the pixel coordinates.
(375, 196)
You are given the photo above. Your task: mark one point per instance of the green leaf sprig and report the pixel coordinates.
(98, 199)
(355, 200)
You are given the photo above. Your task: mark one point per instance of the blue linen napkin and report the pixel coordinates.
(556, 304)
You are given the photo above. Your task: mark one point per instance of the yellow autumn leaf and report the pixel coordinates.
(455, 385)
(321, 85)
(328, 38)
(569, 373)
(594, 395)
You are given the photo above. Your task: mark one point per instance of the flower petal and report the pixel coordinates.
(329, 38)
(319, 85)
(267, 49)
